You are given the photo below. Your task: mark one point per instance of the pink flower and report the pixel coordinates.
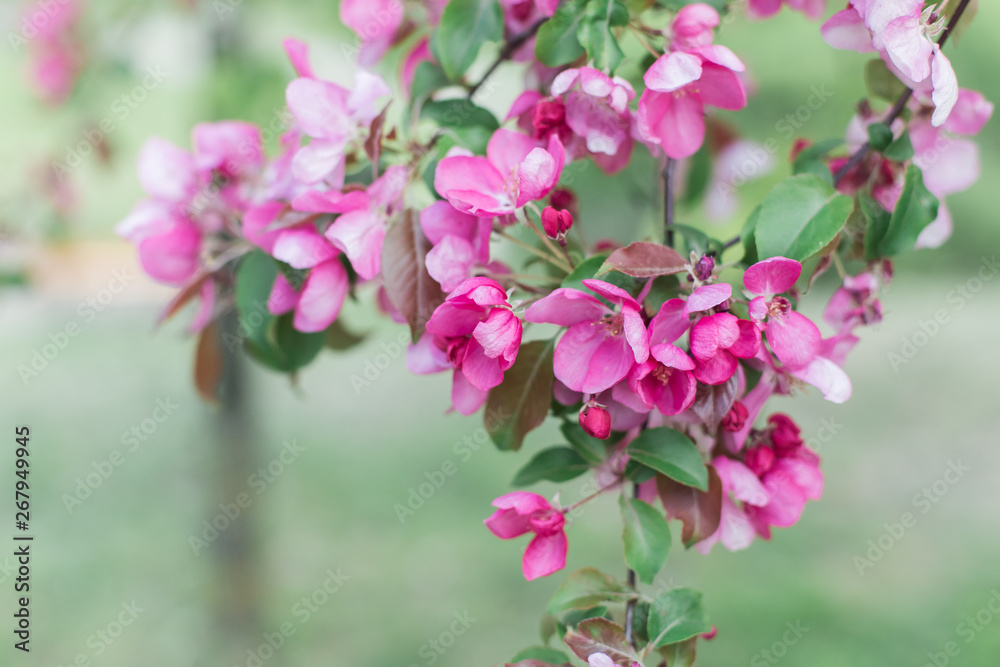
(475, 333)
(360, 228)
(602, 344)
(679, 85)
(461, 242)
(693, 27)
(521, 512)
(854, 304)
(793, 337)
(332, 115)
(375, 22)
(556, 223)
(596, 110)
(716, 343)
(57, 56)
(901, 32)
(514, 172)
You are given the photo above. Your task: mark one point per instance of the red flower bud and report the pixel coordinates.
(710, 635)
(735, 418)
(564, 198)
(556, 223)
(703, 269)
(547, 115)
(759, 459)
(798, 146)
(784, 434)
(596, 420)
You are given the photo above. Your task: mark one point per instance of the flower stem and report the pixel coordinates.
(556, 261)
(668, 201)
(587, 499)
(630, 605)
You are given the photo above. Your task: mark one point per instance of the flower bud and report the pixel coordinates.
(735, 418)
(596, 421)
(784, 434)
(564, 198)
(703, 269)
(759, 459)
(556, 223)
(547, 115)
(710, 635)
(798, 146)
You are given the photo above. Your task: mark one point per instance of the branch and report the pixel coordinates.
(668, 201)
(630, 605)
(512, 45)
(900, 104)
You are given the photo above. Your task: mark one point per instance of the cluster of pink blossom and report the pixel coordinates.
(641, 342)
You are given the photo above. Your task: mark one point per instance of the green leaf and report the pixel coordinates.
(298, 348)
(676, 615)
(879, 136)
(338, 337)
(697, 241)
(427, 78)
(698, 177)
(585, 588)
(556, 43)
(881, 83)
(594, 33)
(555, 464)
(747, 237)
(544, 653)
(465, 26)
(900, 150)
(877, 223)
(799, 217)
(810, 160)
(593, 450)
(471, 125)
(647, 538)
(680, 654)
(915, 209)
(672, 453)
(521, 401)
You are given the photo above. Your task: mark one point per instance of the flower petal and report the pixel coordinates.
(545, 554)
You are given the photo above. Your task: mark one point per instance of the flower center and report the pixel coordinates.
(614, 324)
(662, 373)
(778, 307)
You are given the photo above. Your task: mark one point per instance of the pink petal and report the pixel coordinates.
(721, 87)
(717, 369)
(419, 54)
(425, 357)
(257, 219)
(507, 149)
(563, 82)
(672, 356)
(167, 171)
(804, 473)
(360, 235)
(524, 103)
(670, 322)
(283, 297)
(739, 480)
(173, 255)
(906, 45)
(545, 555)
(322, 297)
(746, 346)
(672, 71)
(951, 166)
(450, 320)
(472, 185)
(441, 219)
(709, 334)
(363, 100)
(331, 201)
(537, 175)
(846, 30)
(945, 93)
(319, 108)
(375, 22)
(794, 339)
(321, 160)
(828, 377)
(722, 56)
(566, 307)
(635, 334)
(466, 398)
(231, 146)
(302, 247)
(758, 308)
(590, 361)
(500, 335)
(676, 123)
(678, 393)
(707, 296)
(772, 276)
(970, 113)
(298, 54)
(612, 293)
(522, 502)
(450, 262)
(482, 371)
(508, 524)
(935, 234)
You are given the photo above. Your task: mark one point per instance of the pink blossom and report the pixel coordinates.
(475, 333)
(901, 32)
(693, 27)
(461, 243)
(854, 304)
(375, 22)
(56, 52)
(331, 115)
(420, 53)
(793, 337)
(360, 228)
(602, 343)
(521, 512)
(514, 172)
(679, 85)
(761, 9)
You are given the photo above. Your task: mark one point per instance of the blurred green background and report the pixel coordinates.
(332, 507)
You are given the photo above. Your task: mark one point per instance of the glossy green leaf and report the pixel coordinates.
(555, 464)
(672, 453)
(556, 43)
(646, 537)
(585, 588)
(676, 615)
(799, 217)
(915, 209)
(465, 26)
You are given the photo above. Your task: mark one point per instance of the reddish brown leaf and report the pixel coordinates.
(181, 299)
(521, 402)
(680, 654)
(208, 364)
(643, 260)
(698, 511)
(599, 635)
(712, 402)
(410, 288)
(373, 144)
